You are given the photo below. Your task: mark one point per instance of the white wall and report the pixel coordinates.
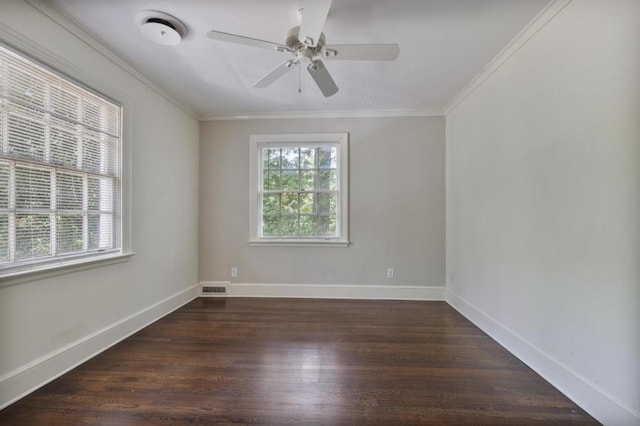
(396, 206)
(77, 312)
(543, 205)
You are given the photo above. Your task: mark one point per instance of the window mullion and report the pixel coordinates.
(85, 177)
(53, 219)
(280, 212)
(298, 212)
(299, 192)
(338, 190)
(260, 191)
(53, 230)
(47, 123)
(85, 212)
(12, 211)
(4, 131)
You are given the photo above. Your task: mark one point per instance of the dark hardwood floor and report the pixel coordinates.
(301, 362)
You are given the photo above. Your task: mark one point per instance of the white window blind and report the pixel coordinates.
(59, 166)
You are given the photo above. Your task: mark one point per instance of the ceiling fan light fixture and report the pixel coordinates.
(161, 28)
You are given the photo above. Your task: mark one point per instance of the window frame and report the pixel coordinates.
(256, 143)
(55, 265)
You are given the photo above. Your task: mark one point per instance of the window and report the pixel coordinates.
(60, 182)
(299, 189)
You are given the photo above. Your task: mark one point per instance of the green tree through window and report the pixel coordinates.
(300, 188)
(299, 194)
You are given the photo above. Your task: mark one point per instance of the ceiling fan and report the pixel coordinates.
(307, 45)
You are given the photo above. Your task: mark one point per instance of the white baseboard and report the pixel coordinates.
(334, 291)
(597, 402)
(29, 377)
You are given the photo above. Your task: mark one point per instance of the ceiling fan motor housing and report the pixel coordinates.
(303, 51)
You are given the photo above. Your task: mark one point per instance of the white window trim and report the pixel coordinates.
(26, 273)
(255, 143)
(63, 266)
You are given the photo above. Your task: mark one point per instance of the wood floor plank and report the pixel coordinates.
(248, 361)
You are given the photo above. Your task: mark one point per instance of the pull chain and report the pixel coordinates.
(299, 72)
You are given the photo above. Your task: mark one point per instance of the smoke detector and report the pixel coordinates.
(160, 27)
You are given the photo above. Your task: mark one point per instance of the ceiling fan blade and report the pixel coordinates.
(362, 52)
(322, 78)
(247, 41)
(314, 15)
(278, 72)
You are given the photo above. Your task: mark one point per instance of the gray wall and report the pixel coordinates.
(42, 318)
(543, 200)
(396, 205)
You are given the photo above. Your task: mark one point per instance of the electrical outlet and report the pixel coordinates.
(390, 272)
(234, 272)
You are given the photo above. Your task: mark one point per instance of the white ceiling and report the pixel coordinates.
(443, 45)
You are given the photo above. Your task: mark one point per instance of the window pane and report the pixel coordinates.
(69, 191)
(3, 116)
(271, 204)
(289, 226)
(271, 180)
(26, 86)
(69, 233)
(33, 235)
(290, 180)
(64, 102)
(33, 188)
(290, 158)
(307, 158)
(289, 203)
(307, 203)
(273, 156)
(100, 153)
(91, 114)
(92, 154)
(308, 180)
(327, 226)
(100, 194)
(93, 193)
(4, 185)
(308, 226)
(270, 226)
(64, 146)
(327, 180)
(110, 156)
(100, 231)
(327, 158)
(4, 237)
(327, 204)
(26, 137)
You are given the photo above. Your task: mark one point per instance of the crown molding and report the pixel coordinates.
(531, 29)
(100, 46)
(436, 112)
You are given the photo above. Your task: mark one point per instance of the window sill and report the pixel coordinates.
(34, 272)
(299, 243)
